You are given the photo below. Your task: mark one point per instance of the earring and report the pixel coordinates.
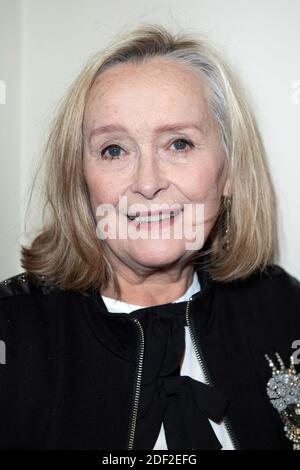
(227, 205)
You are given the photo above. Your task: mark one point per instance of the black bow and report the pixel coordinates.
(183, 404)
(189, 405)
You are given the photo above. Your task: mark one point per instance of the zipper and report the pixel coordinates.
(137, 388)
(203, 365)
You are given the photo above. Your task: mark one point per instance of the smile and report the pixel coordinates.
(154, 218)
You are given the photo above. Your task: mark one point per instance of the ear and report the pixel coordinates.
(227, 190)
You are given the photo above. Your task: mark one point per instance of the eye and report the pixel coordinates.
(113, 152)
(181, 145)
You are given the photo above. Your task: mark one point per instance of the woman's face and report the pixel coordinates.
(134, 153)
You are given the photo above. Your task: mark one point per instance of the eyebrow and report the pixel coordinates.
(161, 129)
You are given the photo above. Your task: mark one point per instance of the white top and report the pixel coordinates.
(190, 366)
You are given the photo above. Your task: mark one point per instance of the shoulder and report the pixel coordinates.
(272, 290)
(276, 273)
(268, 296)
(272, 280)
(27, 295)
(265, 305)
(25, 283)
(31, 306)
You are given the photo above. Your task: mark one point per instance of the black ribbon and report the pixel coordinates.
(183, 404)
(189, 405)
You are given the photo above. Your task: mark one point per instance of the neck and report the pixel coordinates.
(153, 289)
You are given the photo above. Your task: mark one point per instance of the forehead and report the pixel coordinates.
(153, 88)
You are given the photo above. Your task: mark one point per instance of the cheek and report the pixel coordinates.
(203, 183)
(101, 189)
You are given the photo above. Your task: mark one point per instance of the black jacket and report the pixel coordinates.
(71, 368)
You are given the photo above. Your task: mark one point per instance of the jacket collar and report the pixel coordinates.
(206, 287)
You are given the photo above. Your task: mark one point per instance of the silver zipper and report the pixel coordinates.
(137, 388)
(203, 365)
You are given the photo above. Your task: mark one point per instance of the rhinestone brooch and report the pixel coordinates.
(283, 389)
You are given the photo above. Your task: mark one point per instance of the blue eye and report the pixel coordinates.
(113, 150)
(114, 155)
(184, 142)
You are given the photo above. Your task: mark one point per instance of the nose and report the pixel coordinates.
(148, 178)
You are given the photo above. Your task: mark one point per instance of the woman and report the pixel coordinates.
(150, 300)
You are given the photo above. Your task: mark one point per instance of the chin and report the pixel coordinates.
(158, 253)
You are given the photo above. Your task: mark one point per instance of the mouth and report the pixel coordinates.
(158, 218)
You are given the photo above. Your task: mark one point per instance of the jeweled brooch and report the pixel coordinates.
(283, 390)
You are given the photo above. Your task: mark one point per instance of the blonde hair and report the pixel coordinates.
(67, 251)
